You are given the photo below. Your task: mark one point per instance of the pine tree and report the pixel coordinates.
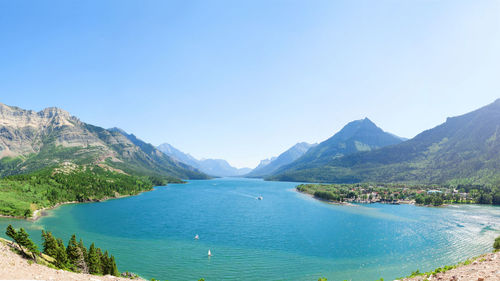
(23, 239)
(80, 263)
(72, 250)
(49, 244)
(94, 261)
(84, 251)
(61, 257)
(114, 270)
(105, 268)
(11, 232)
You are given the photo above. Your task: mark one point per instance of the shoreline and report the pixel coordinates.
(39, 213)
(324, 200)
(399, 202)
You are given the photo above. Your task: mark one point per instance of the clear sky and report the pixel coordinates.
(245, 80)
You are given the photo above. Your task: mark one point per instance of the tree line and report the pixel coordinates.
(47, 187)
(73, 257)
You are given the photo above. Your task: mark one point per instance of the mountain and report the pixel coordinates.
(178, 155)
(356, 136)
(221, 168)
(463, 150)
(268, 166)
(214, 167)
(265, 162)
(30, 141)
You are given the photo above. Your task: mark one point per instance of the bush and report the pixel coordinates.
(496, 244)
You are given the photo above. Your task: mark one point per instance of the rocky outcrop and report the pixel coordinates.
(26, 131)
(52, 136)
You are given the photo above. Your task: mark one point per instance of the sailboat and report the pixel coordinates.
(209, 253)
(196, 237)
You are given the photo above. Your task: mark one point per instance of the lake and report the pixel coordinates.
(285, 236)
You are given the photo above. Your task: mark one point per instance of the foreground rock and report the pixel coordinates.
(483, 268)
(13, 266)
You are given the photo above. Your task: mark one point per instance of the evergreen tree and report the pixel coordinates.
(84, 251)
(72, 250)
(114, 269)
(61, 257)
(23, 239)
(105, 266)
(94, 261)
(80, 263)
(49, 244)
(11, 232)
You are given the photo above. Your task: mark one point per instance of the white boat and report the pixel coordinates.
(196, 237)
(260, 197)
(209, 253)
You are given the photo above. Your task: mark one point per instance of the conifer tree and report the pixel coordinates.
(94, 261)
(105, 266)
(80, 263)
(72, 250)
(23, 239)
(49, 244)
(11, 232)
(61, 257)
(84, 251)
(114, 270)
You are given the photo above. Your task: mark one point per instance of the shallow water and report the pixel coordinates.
(285, 236)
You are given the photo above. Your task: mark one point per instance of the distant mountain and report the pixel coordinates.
(178, 155)
(265, 162)
(220, 167)
(268, 166)
(463, 150)
(356, 136)
(214, 167)
(31, 141)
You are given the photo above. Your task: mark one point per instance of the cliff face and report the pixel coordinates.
(32, 140)
(26, 131)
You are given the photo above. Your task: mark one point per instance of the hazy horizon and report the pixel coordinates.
(244, 81)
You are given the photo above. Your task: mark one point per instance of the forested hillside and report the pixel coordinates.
(463, 150)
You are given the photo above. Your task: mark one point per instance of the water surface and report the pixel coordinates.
(285, 236)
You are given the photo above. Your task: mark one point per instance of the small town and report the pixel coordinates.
(400, 194)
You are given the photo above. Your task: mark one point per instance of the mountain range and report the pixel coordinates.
(30, 141)
(268, 166)
(463, 150)
(213, 167)
(356, 136)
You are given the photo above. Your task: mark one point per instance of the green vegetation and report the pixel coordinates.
(496, 244)
(21, 194)
(396, 193)
(75, 256)
(496, 247)
(21, 238)
(442, 269)
(465, 150)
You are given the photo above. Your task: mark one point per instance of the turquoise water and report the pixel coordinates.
(285, 236)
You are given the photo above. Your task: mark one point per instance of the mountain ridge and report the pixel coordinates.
(355, 136)
(30, 141)
(213, 167)
(463, 149)
(268, 166)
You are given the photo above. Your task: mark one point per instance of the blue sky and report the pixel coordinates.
(245, 80)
